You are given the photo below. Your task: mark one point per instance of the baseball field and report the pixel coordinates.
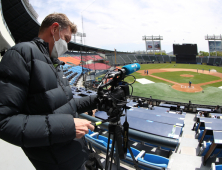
(171, 82)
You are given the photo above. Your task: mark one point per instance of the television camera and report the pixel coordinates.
(112, 98)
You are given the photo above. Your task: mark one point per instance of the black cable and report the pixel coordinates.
(134, 79)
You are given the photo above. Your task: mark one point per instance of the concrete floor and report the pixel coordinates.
(13, 158)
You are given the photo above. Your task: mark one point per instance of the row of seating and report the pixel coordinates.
(71, 76)
(67, 73)
(143, 151)
(75, 80)
(205, 136)
(141, 156)
(73, 73)
(131, 58)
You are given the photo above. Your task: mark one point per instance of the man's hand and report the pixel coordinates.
(82, 127)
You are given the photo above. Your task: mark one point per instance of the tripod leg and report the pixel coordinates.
(134, 160)
(117, 158)
(112, 151)
(107, 153)
(90, 147)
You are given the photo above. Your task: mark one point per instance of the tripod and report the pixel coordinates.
(115, 129)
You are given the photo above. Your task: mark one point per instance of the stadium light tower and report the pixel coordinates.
(214, 43)
(84, 34)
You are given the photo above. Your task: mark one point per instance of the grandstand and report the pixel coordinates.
(163, 140)
(123, 59)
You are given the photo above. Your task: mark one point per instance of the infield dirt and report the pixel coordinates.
(184, 87)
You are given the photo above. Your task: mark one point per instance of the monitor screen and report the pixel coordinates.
(186, 49)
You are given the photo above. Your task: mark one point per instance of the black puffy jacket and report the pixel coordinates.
(37, 108)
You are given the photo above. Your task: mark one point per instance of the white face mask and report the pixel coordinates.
(60, 47)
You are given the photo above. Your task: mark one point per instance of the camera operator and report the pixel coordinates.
(37, 109)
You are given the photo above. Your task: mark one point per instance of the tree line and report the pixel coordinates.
(203, 53)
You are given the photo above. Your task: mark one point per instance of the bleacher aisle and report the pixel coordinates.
(186, 158)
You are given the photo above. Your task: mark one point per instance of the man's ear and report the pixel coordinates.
(54, 27)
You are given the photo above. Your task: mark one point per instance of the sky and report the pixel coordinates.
(120, 24)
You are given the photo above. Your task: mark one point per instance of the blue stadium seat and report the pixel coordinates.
(155, 160)
(135, 152)
(201, 128)
(216, 167)
(205, 148)
(90, 132)
(206, 137)
(101, 142)
(105, 139)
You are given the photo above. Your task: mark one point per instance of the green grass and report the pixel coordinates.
(213, 85)
(175, 76)
(162, 90)
(188, 66)
(130, 79)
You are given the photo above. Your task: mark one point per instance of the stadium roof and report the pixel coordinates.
(73, 46)
(21, 23)
(24, 26)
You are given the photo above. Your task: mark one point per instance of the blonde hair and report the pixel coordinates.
(61, 19)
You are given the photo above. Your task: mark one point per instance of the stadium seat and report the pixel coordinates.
(206, 137)
(205, 148)
(105, 139)
(216, 167)
(136, 153)
(201, 128)
(155, 160)
(101, 142)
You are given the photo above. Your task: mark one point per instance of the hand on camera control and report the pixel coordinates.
(82, 127)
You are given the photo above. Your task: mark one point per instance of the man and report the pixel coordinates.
(37, 110)
(217, 109)
(189, 84)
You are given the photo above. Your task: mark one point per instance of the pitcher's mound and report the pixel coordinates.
(184, 87)
(186, 75)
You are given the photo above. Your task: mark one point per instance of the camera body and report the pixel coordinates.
(113, 99)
